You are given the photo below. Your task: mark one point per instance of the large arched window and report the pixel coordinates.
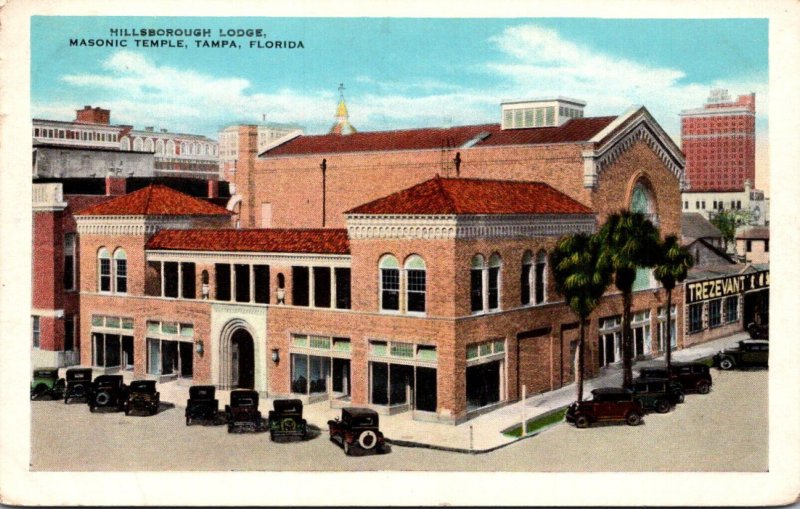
(525, 276)
(170, 148)
(148, 145)
(541, 277)
(389, 283)
(642, 201)
(104, 270)
(120, 271)
(415, 284)
(476, 283)
(125, 143)
(137, 144)
(493, 283)
(159, 147)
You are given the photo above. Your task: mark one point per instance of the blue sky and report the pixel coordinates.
(398, 72)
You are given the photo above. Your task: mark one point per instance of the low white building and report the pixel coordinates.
(708, 203)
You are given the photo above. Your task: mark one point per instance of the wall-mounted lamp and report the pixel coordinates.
(198, 346)
(275, 357)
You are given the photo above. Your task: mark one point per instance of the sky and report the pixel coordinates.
(397, 72)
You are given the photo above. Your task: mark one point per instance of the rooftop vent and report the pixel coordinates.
(548, 112)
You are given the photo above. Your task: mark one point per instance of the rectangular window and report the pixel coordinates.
(342, 288)
(300, 286)
(390, 289)
(525, 284)
(476, 290)
(426, 352)
(242, 283)
(36, 332)
(152, 281)
(402, 349)
(494, 287)
(171, 279)
(550, 116)
(322, 342)
(528, 117)
(122, 276)
(766, 246)
(69, 261)
(222, 281)
(695, 318)
(715, 313)
(539, 117)
(69, 333)
(105, 275)
(261, 277)
(518, 118)
(378, 348)
(322, 287)
(188, 283)
(416, 290)
(732, 309)
(540, 266)
(749, 246)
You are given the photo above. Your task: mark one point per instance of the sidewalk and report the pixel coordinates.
(481, 434)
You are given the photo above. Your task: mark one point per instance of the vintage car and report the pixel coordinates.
(46, 383)
(758, 330)
(286, 419)
(659, 394)
(749, 352)
(107, 391)
(142, 397)
(693, 376)
(358, 428)
(203, 406)
(242, 414)
(608, 404)
(79, 382)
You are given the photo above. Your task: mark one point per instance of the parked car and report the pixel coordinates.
(750, 352)
(203, 406)
(143, 397)
(46, 382)
(693, 376)
(286, 419)
(79, 383)
(758, 330)
(659, 394)
(358, 428)
(608, 404)
(243, 414)
(107, 391)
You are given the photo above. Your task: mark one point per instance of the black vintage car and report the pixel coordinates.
(107, 391)
(659, 394)
(286, 419)
(79, 383)
(749, 352)
(608, 404)
(243, 414)
(46, 383)
(203, 406)
(693, 376)
(358, 428)
(142, 397)
(758, 330)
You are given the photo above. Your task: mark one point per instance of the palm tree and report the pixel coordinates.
(581, 280)
(672, 268)
(629, 241)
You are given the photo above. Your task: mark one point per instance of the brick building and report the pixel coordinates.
(404, 270)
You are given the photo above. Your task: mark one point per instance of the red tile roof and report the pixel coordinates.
(474, 196)
(155, 200)
(266, 240)
(575, 130)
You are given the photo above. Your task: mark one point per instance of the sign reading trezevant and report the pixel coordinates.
(699, 291)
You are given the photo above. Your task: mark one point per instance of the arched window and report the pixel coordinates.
(170, 148)
(642, 201)
(148, 145)
(104, 270)
(389, 283)
(525, 276)
(125, 143)
(415, 284)
(541, 277)
(137, 144)
(495, 264)
(120, 271)
(160, 147)
(476, 283)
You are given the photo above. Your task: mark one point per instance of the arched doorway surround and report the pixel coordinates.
(236, 356)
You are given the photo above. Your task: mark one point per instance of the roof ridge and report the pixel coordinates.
(447, 196)
(147, 200)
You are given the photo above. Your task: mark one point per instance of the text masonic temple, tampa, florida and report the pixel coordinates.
(187, 37)
(376, 269)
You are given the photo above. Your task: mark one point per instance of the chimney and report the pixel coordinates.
(115, 186)
(213, 189)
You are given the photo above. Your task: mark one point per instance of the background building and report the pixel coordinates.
(267, 133)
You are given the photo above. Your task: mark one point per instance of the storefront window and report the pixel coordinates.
(715, 313)
(732, 309)
(662, 324)
(111, 346)
(640, 327)
(610, 342)
(695, 317)
(320, 362)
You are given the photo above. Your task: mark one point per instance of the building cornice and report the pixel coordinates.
(132, 224)
(451, 227)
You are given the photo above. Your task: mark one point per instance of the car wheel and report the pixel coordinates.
(581, 421)
(188, 421)
(703, 388)
(38, 391)
(368, 440)
(102, 399)
(662, 406)
(726, 363)
(347, 448)
(127, 412)
(633, 419)
(91, 408)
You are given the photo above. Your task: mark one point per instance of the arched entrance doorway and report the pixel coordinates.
(237, 369)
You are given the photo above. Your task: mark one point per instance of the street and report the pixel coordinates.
(726, 430)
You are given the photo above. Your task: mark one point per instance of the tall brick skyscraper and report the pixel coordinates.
(719, 141)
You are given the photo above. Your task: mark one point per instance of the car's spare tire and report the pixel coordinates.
(102, 398)
(78, 391)
(368, 439)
